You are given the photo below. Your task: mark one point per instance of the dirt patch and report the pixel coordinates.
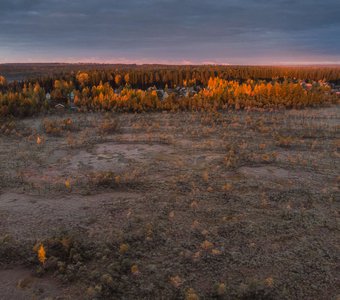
(36, 217)
(20, 284)
(266, 173)
(109, 156)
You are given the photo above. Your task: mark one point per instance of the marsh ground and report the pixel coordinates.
(234, 205)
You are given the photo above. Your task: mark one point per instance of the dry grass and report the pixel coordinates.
(108, 126)
(185, 205)
(59, 127)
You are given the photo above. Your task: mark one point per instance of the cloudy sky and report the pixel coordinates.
(170, 31)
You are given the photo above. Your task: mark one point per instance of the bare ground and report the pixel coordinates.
(239, 205)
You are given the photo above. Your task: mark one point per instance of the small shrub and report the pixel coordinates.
(59, 127)
(284, 141)
(108, 126)
(103, 179)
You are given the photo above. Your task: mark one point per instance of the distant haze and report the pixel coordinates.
(171, 31)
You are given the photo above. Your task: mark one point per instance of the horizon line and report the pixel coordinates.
(283, 64)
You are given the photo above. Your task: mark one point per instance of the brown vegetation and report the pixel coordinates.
(186, 205)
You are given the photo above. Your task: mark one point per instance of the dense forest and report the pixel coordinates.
(144, 75)
(134, 88)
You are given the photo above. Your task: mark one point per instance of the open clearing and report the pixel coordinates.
(234, 205)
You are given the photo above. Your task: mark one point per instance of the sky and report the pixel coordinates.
(171, 31)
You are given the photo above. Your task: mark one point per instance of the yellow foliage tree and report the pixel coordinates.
(83, 78)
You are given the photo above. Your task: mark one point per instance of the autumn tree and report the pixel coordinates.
(127, 78)
(2, 80)
(118, 79)
(38, 95)
(61, 89)
(83, 78)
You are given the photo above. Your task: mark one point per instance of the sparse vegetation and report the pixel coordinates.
(108, 126)
(59, 127)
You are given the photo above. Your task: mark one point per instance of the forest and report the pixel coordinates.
(133, 88)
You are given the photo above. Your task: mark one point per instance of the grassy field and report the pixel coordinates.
(232, 205)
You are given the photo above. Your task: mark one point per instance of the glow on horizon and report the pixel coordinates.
(120, 60)
(307, 60)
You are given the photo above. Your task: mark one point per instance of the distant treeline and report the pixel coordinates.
(144, 76)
